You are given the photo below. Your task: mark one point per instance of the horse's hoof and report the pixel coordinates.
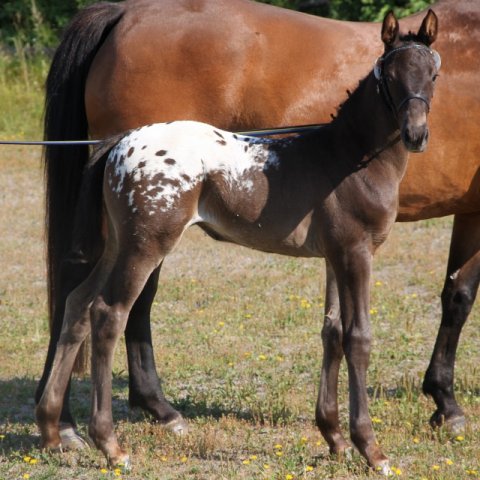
(71, 440)
(383, 468)
(455, 425)
(178, 426)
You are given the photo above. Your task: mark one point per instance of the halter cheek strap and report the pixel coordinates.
(383, 87)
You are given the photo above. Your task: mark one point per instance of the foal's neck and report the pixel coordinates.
(371, 128)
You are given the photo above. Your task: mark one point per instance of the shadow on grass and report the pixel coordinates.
(17, 404)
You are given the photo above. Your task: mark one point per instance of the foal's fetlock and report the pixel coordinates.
(71, 439)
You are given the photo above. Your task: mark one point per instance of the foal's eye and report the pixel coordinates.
(435, 77)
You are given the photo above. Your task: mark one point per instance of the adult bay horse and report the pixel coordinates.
(332, 193)
(241, 65)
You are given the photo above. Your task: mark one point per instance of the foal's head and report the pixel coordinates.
(406, 74)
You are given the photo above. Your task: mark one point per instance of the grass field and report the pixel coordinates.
(237, 342)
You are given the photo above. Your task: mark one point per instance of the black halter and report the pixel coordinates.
(383, 85)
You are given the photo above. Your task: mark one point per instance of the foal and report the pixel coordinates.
(332, 193)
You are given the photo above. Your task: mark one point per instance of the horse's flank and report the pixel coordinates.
(264, 67)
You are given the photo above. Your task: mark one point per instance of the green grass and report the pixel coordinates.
(237, 343)
(21, 95)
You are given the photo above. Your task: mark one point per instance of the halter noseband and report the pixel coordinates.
(383, 86)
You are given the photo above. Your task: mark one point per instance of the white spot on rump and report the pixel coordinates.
(162, 161)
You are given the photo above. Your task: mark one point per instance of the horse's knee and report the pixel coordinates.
(457, 301)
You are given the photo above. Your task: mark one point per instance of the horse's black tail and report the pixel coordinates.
(65, 119)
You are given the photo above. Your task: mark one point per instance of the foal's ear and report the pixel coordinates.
(389, 29)
(429, 28)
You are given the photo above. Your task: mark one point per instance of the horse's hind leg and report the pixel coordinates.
(109, 315)
(73, 272)
(327, 403)
(76, 326)
(145, 390)
(458, 296)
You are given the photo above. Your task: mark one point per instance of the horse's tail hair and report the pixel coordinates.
(65, 119)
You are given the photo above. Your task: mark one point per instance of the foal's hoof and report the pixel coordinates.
(178, 426)
(455, 425)
(383, 468)
(121, 462)
(71, 440)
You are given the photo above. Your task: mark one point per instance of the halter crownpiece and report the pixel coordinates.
(378, 66)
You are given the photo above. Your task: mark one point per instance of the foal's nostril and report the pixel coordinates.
(415, 138)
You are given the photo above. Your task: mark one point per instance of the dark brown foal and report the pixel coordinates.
(332, 193)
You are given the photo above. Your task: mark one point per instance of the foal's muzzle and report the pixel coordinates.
(414, 130)
(415, 139)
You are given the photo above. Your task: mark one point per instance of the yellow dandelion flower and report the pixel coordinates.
(414, 295)
(247, 354)
(378, 283)
(376, 420)
(248, 315)
(373, 311)
(103, 470)
(448, 461)
(303, 440)
(26, 475)
(279, 454)
(309, 468)
(221, 324)
(266, 466)
(183, 459)
(471, 472)
(459, 438)
(318, 443)
(163, 458)
(262, 357)
(253, 457)
(435, 467)
(416, 440)
(33, 461)
(288, 476)
(246, 462)
(230, 364)
(279, 358)
(396, 471)
(278, 446)
(117, 472)
(2, 437)
(27, 459)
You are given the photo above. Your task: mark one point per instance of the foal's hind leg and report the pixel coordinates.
(459, 292)
(145, 390)
(327, 403)
(109, 315)
(76, 326)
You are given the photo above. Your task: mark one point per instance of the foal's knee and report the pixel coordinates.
(332, 333)
(107, 321)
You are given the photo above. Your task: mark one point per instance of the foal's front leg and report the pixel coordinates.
(327, 403)
(352, 270)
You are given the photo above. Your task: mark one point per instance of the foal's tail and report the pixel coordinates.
(65, 119)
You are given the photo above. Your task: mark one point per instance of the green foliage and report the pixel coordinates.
(36, 23)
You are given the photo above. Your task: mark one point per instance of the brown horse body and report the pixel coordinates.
(332, 193)
(238, 65)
